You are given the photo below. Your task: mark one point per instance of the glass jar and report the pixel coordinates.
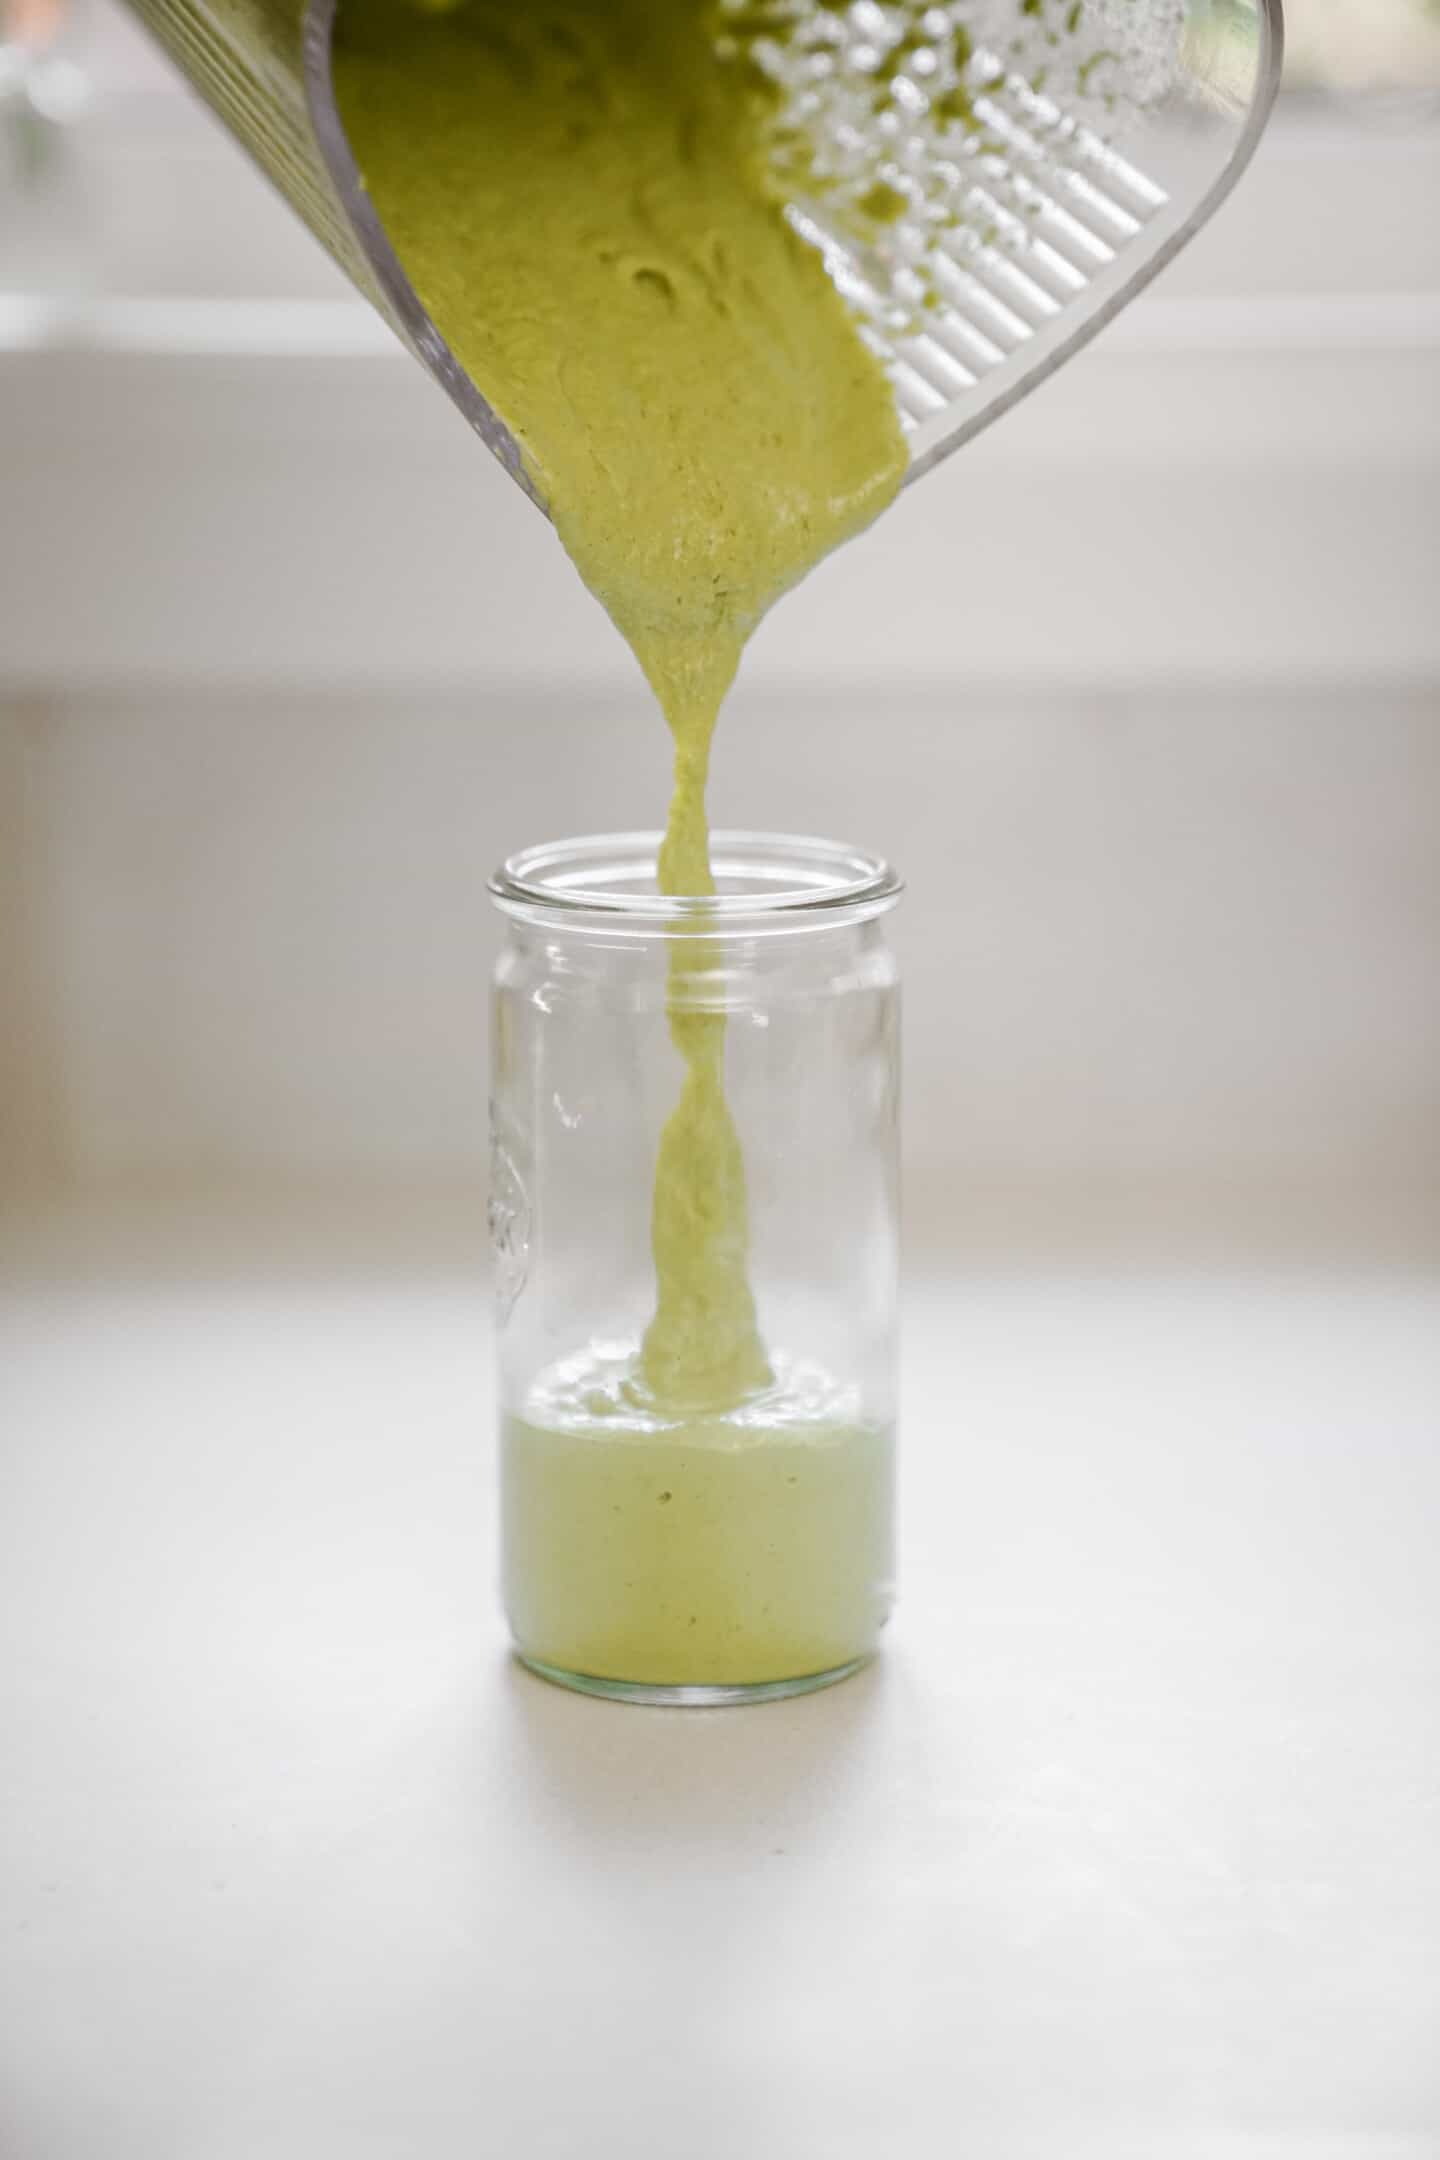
(694, 1215)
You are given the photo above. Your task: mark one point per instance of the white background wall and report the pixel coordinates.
(1140, 690)
(1161, 954)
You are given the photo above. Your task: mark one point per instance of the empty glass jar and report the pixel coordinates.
(694, 1214)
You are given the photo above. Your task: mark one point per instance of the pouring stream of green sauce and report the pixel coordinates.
(577, 192)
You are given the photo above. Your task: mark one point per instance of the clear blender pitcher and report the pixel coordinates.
(1040, 161)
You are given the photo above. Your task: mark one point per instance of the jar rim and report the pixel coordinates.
(758, 875)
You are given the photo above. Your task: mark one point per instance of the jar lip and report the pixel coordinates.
(757, 874)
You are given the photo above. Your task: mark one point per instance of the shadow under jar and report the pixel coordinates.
(694, 1209)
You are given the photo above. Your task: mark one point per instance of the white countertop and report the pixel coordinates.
(1127, 1847)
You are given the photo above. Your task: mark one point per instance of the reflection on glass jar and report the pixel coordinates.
(694, 1209)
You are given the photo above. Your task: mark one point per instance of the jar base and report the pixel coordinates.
(673, 1696)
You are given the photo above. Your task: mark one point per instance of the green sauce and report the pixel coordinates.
(577, 191)
(724, 1548)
